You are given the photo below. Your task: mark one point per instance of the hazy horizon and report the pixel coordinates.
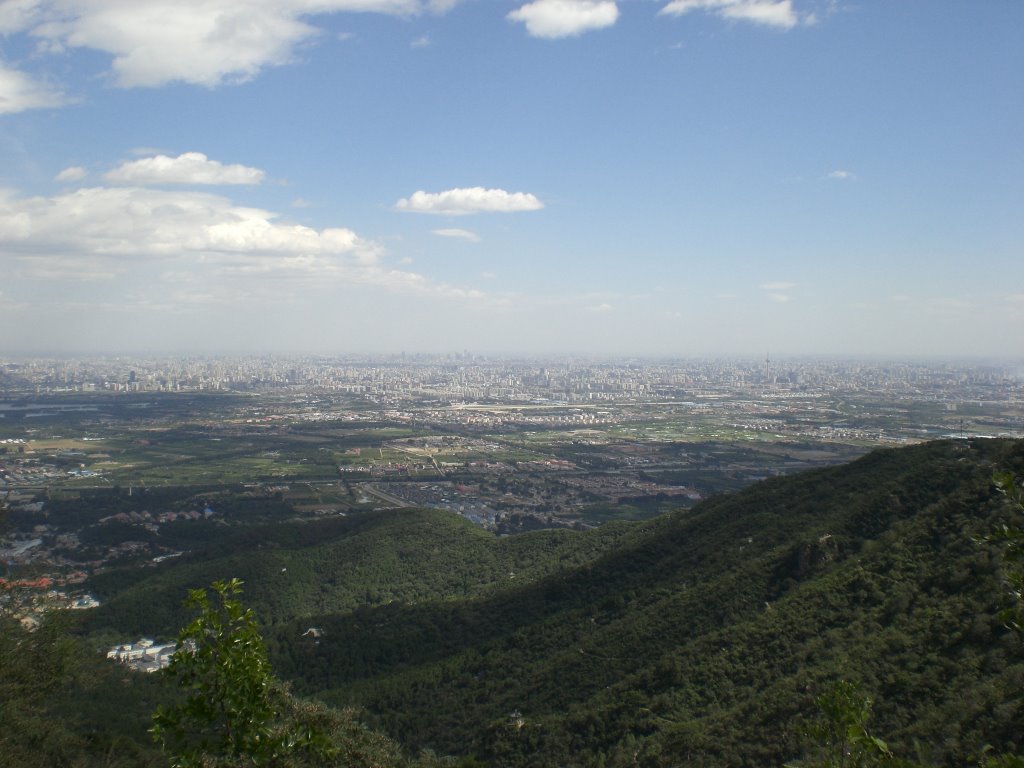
(1011, 365)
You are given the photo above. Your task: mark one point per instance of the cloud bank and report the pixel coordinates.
(175, 247)
(209, 43)
(137, 222)
(202, 42)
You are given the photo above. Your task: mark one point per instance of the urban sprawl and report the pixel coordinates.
(117, 462)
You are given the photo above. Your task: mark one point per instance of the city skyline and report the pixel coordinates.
(651, 179)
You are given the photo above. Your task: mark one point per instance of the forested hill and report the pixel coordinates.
(298, 569)
(698, 638)
(705, 636)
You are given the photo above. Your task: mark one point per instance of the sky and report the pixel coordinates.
(613, 177)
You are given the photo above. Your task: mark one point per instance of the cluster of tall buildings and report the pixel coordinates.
(469, 378)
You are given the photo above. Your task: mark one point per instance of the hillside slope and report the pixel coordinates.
(704, 636)
(299, 569)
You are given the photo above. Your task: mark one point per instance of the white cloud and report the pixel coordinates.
(840, 175)
(188, 168)
(602, 308)
(780, 298)
(463, 234)
(124, 233)
(20, 92)
(202, 42)
(135, 222)
(74, 173)
(773, 13)
(553, 19)
(462, 201)
(18, 15)
(423, 41)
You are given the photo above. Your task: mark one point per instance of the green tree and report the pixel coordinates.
(1011, 537)
(34, 668)
(232, 713)
(841, 735)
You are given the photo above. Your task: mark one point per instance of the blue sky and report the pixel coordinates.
(640, 177)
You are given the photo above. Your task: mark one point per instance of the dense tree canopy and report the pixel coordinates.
(750, 630)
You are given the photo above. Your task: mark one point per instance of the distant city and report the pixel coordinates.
(114, 462)
(468, 377)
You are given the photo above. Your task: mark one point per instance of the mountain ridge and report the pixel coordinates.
(750, 571)
(701, 637)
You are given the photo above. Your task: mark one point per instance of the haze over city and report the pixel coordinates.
(680, 177)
